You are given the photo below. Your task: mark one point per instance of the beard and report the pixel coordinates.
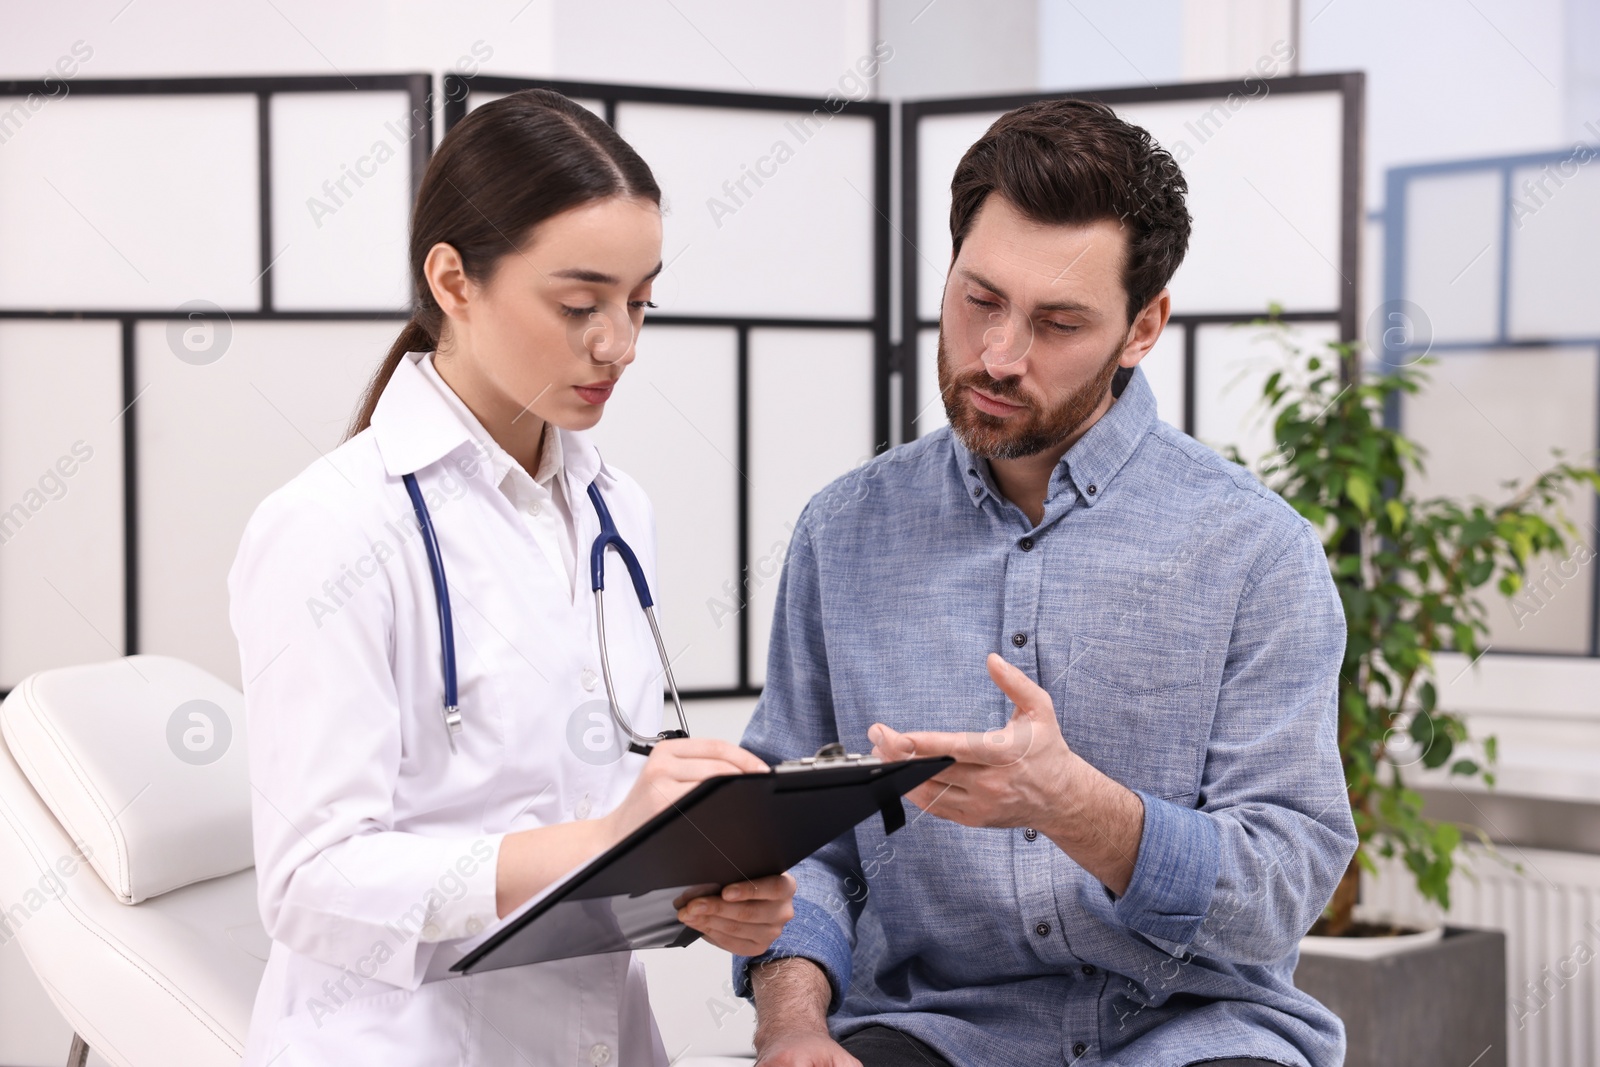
(1026, 433)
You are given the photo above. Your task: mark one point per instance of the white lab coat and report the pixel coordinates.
(376, 847)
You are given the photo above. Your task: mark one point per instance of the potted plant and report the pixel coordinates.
(1411, 573)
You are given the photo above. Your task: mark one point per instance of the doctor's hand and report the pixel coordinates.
(673, 768)
(1025, 774)
(746, 917)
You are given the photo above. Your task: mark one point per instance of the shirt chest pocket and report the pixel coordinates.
(1139, 714)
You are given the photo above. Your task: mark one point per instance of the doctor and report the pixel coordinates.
(384, 837)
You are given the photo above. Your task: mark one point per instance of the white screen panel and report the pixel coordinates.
(179, 221)
(672, 425)
(810, 421)
(214, 439)
(1231, 365)
(1453, 254)
(341, 199)
(1554, 255)
(930, 404)
(1163, 368)
(61, 578)
(941, 142)
(767, 212)
(478, 97)
(1266, 221)
(1483, 426)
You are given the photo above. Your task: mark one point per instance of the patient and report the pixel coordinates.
(1129, 646)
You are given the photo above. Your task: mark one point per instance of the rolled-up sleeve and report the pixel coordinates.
(1243, 875)
(336, 881)
(1174, 874)
(795, 717)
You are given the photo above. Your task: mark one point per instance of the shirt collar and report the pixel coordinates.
(1091, 463)
(417, 422)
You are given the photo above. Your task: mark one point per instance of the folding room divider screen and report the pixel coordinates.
(198, 275)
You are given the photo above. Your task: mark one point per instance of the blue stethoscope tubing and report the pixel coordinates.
(609, 538)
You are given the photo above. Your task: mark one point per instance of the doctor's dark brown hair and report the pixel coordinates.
(1074, 162)
(499, 172)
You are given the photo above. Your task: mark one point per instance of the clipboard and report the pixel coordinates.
(726, 829)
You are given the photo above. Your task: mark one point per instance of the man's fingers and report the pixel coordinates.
(1023, 691)
(934, 794)
(890, 743)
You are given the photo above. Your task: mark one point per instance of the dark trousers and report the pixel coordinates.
(883, 1046)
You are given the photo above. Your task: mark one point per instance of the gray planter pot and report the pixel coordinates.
(1439, 1005)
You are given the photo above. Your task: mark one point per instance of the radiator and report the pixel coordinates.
(1551, 917)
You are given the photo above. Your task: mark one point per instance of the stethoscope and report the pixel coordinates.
(609, 538)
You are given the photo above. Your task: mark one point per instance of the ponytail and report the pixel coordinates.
(414, 337)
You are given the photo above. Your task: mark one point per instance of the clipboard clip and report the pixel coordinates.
(833, 754)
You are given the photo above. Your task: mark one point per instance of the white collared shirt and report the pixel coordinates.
(540, 499)
(376, 847)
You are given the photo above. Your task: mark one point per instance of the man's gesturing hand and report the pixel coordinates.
(1014, 776)
(1025, 774)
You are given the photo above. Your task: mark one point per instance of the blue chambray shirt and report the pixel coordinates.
(1184, 622)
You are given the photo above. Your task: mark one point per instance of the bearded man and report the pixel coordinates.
(1129, 646)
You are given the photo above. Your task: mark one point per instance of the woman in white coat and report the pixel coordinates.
(379, 851)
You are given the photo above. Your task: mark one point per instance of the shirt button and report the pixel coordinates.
(582, 812)
(1088, 970)
(1031, 834)
(589, 678)
(1092, 490)
(977, 490)
(1019, 639)
(534, 509)
(1043, 929)
(599, 1053)
(1079, 1049)
(1027, 544)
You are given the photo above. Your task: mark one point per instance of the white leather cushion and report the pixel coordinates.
(143, 761)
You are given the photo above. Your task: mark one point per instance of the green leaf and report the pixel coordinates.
(1439, 752)
(1358, 487)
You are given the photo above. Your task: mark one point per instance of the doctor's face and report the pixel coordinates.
(556, 324)
(1033, 327)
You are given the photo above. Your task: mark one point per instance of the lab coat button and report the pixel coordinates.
(599, 1053)
(589, 678)
(583, 808)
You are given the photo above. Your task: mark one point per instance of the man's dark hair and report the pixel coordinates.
(1075, 162)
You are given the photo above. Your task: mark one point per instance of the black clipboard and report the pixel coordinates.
(726, 829)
